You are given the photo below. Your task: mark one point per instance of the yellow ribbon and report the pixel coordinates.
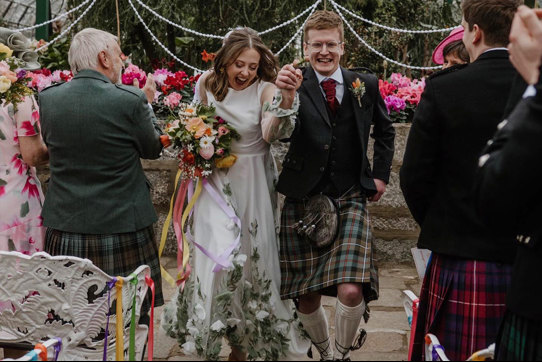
(168, 278)
(186, 213)
(120, 323)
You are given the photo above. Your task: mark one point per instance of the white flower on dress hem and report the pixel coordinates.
(200, 312)
(232, 322)
(189, 347)
(261, 315)
(282, 328)
(218, 326)
(253, 304)
(193, 331)
(240, 259)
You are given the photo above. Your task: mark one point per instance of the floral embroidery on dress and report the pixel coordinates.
(266, 334)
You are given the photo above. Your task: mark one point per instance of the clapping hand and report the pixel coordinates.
(526, 43)
(288, 81)
(149, 89)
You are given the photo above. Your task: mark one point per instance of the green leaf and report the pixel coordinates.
(25, 209)
(183, 41)
(2, 136)
(3, 183)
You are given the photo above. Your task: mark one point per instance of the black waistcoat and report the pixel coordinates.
(344, 163)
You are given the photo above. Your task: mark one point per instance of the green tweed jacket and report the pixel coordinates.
(96, 132)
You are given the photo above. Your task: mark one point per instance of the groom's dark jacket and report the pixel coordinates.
(327, 148)
(96, 133)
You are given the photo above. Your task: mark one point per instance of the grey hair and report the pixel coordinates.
(85, 47)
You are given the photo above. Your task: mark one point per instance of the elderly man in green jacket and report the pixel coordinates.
(98, 204)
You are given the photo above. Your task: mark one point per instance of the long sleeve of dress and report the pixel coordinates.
(278, 123)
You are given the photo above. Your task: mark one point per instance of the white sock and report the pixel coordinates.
(347, 320)
(316, 326)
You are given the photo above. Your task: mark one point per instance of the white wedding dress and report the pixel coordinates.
(241, 304)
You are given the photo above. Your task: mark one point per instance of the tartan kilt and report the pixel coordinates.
(350, 259)
(115, 254)
(520, 339)
(462, 302)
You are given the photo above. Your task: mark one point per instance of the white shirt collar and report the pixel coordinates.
(337, 76)
(493, 49)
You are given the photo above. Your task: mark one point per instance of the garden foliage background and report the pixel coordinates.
(219, 16)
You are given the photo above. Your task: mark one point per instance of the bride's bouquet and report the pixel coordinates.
(204, 142)
(203, 139)
(13, 80)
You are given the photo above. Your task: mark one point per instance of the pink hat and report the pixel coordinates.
(456, 34)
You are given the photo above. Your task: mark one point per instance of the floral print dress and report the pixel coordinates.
(21, 197)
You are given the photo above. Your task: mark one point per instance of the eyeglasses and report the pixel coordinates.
(331, 46)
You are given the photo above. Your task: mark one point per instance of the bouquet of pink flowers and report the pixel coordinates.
(204, 140)
(43, 78)
(13, 80)
(401, 95)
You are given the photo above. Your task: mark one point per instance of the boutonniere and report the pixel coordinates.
(358, 89)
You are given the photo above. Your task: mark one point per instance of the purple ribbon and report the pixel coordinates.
(222, 261)
(58, 347)
(434, 353)
(110, 286)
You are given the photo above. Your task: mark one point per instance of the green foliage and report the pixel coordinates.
(55, 57)
(220, 16)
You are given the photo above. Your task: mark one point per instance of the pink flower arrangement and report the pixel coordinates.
(41, 79)
(172, 100)
(401, 96)
(134, 72)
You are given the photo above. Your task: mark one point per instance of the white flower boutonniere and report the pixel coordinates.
(358, 89)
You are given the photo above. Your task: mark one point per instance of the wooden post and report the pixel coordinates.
(43, 14)
(118, 21)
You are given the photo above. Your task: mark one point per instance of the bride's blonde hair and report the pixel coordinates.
(235, 43)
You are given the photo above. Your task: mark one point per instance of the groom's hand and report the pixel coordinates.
(288, 81)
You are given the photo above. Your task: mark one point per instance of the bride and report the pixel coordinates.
(241, 303)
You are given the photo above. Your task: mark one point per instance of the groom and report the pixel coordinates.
(328, 155)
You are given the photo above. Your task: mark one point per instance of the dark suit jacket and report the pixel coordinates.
(309, 150)
(96, 133)
(510, 198)
(458, 114)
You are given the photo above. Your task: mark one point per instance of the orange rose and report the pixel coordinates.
(226, 162)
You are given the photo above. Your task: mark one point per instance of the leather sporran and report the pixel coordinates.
(320, 224)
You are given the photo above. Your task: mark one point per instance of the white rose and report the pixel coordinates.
(189, 347)
(261, 315)
(200, 312)
(193, 331)
(282, 328)
(218, 326)
(253, 304)
(5, 84)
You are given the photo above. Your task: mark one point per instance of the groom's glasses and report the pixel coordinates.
(331, 46)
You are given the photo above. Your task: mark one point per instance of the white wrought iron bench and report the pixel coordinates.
(43, 297)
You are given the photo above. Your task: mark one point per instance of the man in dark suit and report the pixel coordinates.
(98, 204)
(328, 155)
(463, 295)
(509, 165)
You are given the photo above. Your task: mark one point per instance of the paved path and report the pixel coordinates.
(388, 330)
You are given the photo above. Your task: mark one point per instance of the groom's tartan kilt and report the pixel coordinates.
(350, 259)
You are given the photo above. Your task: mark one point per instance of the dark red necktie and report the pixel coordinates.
(329, 87)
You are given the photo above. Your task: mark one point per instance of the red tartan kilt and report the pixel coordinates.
(462, 303)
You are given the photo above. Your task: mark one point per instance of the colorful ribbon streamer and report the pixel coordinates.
(110, 286)
(150, 344)
(131, 351)
(168, 278)
(58, 347)
(119, 356)
(183, 254)
(42, 351)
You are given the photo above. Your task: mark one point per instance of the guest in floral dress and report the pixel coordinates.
(21, 198)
